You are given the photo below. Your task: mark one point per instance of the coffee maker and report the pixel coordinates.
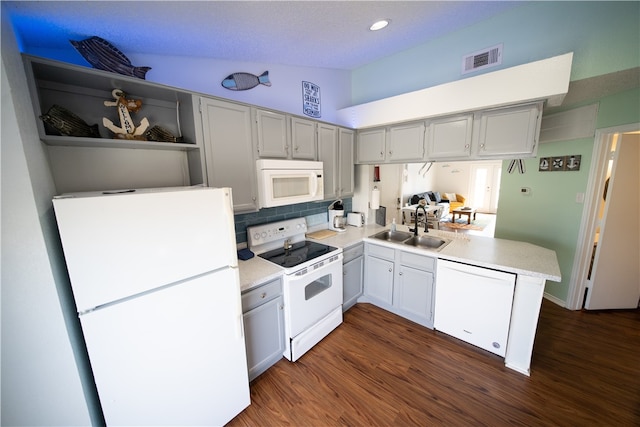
(337, 219)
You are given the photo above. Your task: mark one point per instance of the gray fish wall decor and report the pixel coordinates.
(244, 81)
(105, 56)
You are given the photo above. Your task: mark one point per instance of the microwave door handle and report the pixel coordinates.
(314, 179)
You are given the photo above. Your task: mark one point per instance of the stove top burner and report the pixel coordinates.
(298, 253)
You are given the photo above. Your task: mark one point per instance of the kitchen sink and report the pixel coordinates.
(426, 242)
(432, 243)
(393, 236)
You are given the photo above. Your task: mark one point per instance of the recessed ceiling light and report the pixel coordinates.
(379, 24)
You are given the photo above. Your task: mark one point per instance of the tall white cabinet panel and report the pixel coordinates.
(303, 139)
(406, 142)
(346, 140)
(474, 304)
(229, 151)
(450, 137)
(513, 131)
(371, 146)
(272, 134)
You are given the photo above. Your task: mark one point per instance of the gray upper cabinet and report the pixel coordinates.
(328, 155)
(303, 139)
(450, 137)
(501, 133)
(371, 146)
(228, 147)
(272, 134)
(335, 150)
(405, 143)
(510, 131)
(346, 141)
(106, 162)
(282, 136)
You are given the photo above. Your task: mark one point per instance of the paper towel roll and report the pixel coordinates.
(375, 198)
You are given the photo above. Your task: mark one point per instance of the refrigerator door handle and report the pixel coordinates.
(241, 326)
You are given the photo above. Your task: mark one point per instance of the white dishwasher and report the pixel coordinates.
(474, 304)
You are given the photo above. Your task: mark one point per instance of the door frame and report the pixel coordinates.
(595, 186)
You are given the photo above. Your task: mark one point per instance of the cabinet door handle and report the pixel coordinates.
(390, 270)
(400, 274)
(263, 295)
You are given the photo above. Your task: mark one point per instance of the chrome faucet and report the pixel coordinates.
(426, 224)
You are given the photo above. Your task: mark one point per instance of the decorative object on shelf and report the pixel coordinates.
(160, 134)
(311, 99)
(245, 81)
(127, 129)
(560, 163)
(69, 124)
(105, 56)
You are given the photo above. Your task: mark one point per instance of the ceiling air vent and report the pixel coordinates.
(482, 59)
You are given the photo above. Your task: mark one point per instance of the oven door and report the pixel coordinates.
(310, 297)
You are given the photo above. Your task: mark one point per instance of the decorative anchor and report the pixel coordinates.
(127, 130)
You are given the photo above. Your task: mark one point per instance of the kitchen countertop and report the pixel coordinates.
(506, 255)
(256, 271)
(500, 254)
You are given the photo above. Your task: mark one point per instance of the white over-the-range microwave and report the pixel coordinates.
(287, 182)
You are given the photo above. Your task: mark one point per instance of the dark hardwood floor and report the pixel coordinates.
(378, 369)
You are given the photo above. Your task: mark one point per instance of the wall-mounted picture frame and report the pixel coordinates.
(560, 163)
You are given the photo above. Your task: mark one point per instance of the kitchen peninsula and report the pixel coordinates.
(532, 265)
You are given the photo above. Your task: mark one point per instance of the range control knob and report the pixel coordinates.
(264, 234)
(256, 236)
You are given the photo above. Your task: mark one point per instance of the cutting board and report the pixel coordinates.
(322, 234)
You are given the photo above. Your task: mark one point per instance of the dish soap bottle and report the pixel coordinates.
(393, 225)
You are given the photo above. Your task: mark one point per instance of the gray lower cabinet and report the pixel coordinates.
(400, 282)
(228, 146)
(263, 318)
(352, 269)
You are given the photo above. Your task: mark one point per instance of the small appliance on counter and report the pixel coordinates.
(337, 220)
(355, 218)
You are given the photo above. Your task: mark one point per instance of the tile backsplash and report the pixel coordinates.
(313, 211)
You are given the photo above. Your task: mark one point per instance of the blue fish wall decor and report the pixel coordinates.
(245, 81)
(105, 56)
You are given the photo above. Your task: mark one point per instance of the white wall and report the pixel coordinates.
(41, 384)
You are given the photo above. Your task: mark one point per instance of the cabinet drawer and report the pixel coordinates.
(264, 293)
(352, 253)
(421, 262)
(380, 251)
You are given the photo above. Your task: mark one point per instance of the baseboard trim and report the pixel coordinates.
(555, 300)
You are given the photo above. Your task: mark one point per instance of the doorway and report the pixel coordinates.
(605, 272)
(485, 186)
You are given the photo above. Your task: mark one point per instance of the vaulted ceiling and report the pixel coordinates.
(326, 34)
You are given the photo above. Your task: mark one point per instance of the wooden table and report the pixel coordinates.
(467, 212)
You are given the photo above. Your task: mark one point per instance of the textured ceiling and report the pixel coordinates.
(326, 34)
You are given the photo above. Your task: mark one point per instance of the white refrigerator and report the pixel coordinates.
(155, 280)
